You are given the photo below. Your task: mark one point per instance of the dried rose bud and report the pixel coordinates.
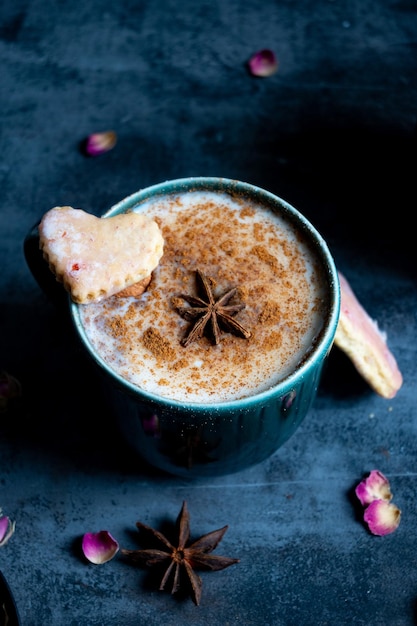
(374, 487)
(7, 528)
(382, 517)
(263, 63)
(9, 388)
(99, 143)
(99, 547)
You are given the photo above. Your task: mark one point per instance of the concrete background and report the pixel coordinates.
(334, 133)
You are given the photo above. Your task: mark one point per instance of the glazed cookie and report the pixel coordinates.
(97, 257)
(366, 345)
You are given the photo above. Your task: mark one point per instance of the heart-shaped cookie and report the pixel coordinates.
(97, 257)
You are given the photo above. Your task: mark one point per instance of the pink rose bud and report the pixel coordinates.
(375, 487)
(99, 143)
(382, 517)
(99, 547)
(263, 63)
(7, 528)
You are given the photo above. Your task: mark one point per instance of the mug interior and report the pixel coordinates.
(313, 359)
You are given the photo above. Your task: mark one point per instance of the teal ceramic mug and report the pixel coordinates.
(224, 430)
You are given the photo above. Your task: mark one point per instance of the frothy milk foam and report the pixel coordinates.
(237, 244)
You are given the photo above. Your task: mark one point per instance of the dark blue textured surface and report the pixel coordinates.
(333, 133)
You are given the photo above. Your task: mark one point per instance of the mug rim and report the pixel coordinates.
(324, 341)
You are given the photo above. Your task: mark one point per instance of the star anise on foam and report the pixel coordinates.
(206, 308)
(178, 563)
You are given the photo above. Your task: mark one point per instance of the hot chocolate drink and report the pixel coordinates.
(280, 302)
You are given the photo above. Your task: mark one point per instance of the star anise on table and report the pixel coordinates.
(178, 563)
(206, 308)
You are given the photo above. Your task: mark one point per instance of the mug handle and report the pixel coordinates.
(40, 270)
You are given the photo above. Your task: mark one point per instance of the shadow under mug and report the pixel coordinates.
(193, 440)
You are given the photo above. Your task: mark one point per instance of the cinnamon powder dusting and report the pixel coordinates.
(277, 281)
(155, 343)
